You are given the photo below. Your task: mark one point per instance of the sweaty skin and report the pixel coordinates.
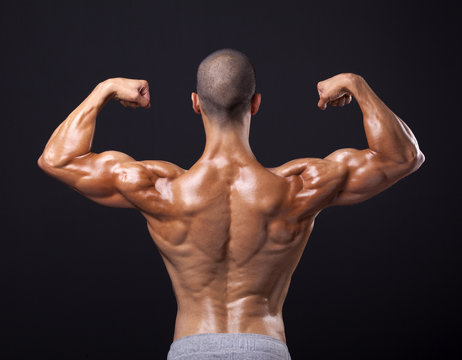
(230, 231)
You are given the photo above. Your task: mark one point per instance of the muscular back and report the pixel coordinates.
(230, 231)
(231, 234)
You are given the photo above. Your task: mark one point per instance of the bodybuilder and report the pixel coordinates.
(230, 231)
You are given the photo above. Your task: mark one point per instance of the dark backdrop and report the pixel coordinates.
(377, 280)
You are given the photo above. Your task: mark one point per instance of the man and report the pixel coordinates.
(229, 230)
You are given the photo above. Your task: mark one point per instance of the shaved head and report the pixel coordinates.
(226, 83)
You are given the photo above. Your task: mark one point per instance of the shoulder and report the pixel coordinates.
(137, 174)
(162, 169)
(315, 182)
(311, 168)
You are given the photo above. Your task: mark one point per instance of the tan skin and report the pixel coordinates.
(230, 231)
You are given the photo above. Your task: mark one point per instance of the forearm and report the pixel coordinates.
(74, 136)
(386, 133)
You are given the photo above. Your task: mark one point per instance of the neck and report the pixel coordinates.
(227, 139)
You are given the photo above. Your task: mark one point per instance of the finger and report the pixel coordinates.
(145, 99)
(142, 101)
(144, 91)
(148, 96)
(341, 101)
(333, 103)
(322, 104)
(348, 99)
(130, 104)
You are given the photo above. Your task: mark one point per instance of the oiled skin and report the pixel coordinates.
(231, 236)
(230, 231)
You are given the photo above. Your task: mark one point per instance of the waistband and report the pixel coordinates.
(228, 343)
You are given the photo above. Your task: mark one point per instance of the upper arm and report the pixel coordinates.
(367, 174)
(102, 177)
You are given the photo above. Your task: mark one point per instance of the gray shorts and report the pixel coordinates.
(229, 346)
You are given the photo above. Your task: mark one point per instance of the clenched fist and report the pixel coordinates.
(335, 91)
(130, 92)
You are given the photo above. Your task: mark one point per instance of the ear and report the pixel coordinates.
(255, 104)
(195, 103)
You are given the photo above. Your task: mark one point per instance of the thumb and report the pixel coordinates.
(322, 103)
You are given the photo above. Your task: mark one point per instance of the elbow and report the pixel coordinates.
(416, 161)
(420, 159)
(42, 164)
(45, 164)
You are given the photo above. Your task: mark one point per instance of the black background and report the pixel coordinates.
(378, 280)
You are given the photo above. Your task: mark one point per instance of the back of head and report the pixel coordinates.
(226, 83)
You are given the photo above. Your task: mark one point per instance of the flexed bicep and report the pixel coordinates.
(393, 151)
(67, 155)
